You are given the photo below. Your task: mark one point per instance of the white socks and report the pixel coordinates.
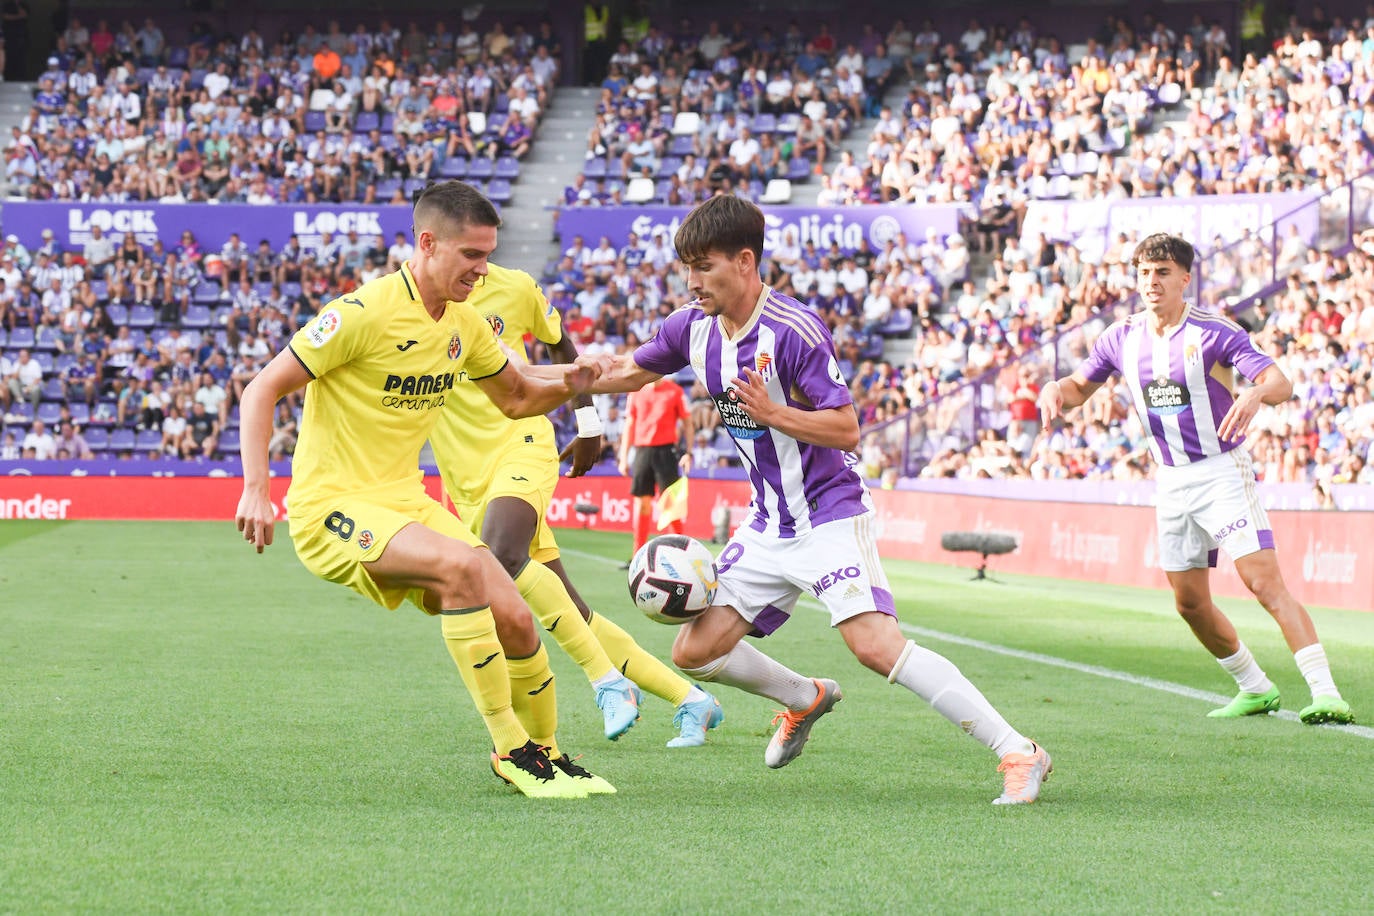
(935, 679)
(1247, 672)
(753, 672)
(1312, 663)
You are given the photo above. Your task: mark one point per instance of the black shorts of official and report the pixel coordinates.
(653, 464)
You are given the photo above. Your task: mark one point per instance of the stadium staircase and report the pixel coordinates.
(15, 101)
(557, 154)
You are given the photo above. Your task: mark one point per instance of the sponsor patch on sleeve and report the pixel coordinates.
(324, 327)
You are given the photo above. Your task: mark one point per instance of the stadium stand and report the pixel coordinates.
(945, 338)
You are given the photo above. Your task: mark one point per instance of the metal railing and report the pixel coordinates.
(1232, 278)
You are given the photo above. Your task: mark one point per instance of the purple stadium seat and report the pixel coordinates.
(314, 121)
(49, 412)
(594, 168)
(197, 315)
(22, 337)
(142, 316)
(97, 437)
(146, 440)
(481, 168)
(81, 414)
(454, 167)
(499, 190)
(52, 390)
(119, 314)
(229, 442)
(122, 440)
(507, 167)
(367, 120)
(46, 338)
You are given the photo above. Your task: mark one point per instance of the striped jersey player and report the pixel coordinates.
(770, 365)
(1179, 364)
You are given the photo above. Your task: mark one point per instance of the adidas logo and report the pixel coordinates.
(853, 592)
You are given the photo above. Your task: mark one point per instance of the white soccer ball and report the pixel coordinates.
(673, 578)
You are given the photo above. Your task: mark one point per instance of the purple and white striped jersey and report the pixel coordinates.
(796, 485)
(1181, 383)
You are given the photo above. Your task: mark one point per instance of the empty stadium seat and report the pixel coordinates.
(687, 123)
(22, 337)
(81, 414)
(366, 121)
(197, 315)
(778, 191)
(97, 437)
(454, 167)
(118, 313)
(229, 442)
(481, 168)
(594, 168)
(507, 167)
(49, 412)
(53, 390)
(122, 440)
(142, 316)
(798, 168)
(147, 440)
(499, 190)
(639, 191)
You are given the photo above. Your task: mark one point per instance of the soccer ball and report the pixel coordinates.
(673, 578)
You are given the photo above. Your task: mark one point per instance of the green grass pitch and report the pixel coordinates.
(188, 727)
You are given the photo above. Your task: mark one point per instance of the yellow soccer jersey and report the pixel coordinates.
(473, 430)
(382, 371)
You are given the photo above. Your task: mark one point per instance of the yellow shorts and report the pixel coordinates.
(335, 543)
(525, 471)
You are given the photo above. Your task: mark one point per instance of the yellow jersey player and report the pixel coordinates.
(501, 473)
(378, 366)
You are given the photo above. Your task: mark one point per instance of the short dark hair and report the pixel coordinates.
(1165, 247)
(456, 203)
(724, 223)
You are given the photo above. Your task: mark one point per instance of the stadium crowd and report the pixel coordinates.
(992, 118)
(308, 117)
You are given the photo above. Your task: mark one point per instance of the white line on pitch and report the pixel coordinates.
(1136, 680)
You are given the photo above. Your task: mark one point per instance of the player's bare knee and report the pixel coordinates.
(691, 652)
(460, 573)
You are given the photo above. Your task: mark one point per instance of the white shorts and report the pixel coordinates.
(1209, 504)
(761, 576)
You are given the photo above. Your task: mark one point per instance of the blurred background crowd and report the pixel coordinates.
(125, 349)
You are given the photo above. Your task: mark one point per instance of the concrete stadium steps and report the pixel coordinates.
(527, 232)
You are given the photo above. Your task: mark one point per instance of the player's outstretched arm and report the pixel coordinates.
(255, 516)
(1064, 394)
(521, 390)
(620, 373)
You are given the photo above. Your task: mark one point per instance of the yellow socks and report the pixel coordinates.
(544, 593)
(470, 634)
(533, 698)
(639, 666)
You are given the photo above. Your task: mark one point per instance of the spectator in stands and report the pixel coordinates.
(25, 379)
(42, 443)
(202, 432)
